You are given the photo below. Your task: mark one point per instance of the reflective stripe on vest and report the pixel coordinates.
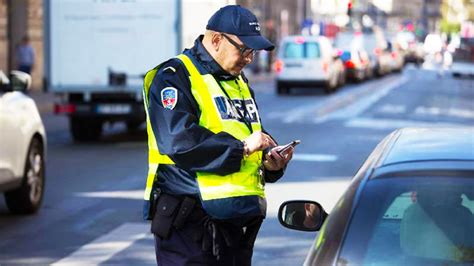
(154, 156)
(217, 114)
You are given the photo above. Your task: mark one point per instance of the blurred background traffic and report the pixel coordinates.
(83, 53)
(404, 25)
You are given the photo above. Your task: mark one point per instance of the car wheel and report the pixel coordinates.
(342, 79)
(85, 130)
(27, 198)
(282, 90)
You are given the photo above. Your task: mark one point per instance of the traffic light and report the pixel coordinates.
(349, 8)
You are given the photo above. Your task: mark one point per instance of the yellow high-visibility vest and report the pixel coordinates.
(217, 114)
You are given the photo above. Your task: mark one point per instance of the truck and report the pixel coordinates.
(98, 51)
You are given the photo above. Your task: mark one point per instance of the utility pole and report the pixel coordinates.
(424, 16)
(305, 9)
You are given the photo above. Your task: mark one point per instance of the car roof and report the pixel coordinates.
(430, 144)
(427, 151)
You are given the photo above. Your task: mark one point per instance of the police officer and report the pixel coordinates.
(209, 157)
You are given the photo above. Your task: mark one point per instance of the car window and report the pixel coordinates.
(301, 50)
(405, 221)
(465, 52)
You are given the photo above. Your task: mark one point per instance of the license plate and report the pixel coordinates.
(116, 109)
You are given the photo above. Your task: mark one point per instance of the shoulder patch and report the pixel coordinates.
(169, 97)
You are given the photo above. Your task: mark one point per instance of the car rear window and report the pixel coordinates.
(301, 50)
(465, 52)
(412, 221)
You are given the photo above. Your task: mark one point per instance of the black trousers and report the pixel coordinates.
(182, 247)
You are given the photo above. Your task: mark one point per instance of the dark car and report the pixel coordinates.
(463, 59)
(411, 203)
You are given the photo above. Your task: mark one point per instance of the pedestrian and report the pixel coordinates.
(25, 56)
(209, 157)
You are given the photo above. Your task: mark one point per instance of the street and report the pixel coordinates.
(92, 210)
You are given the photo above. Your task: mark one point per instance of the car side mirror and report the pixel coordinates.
(302, 215)
(20, 81)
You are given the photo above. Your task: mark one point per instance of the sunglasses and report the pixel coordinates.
(244, 51)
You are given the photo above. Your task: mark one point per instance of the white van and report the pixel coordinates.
(307, 61)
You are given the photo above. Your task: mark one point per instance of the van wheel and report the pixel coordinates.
(83, 129)
(27, 198)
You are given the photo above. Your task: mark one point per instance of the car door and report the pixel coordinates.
(13, 118)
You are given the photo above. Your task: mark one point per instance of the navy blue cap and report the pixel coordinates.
(239, 21)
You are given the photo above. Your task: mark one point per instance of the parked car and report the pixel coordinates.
(398, 61)
(22, 145)
(411, 203)
(307, 61)
(376, 46)
(413, 49)
(353, 55)
(463, 59)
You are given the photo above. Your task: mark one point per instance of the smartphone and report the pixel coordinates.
(283, 149)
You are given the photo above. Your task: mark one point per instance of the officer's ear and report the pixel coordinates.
(216, 40)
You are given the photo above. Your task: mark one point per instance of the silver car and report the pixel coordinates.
(22, 145)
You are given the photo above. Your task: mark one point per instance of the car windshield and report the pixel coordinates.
(407, 221)
(298, 50)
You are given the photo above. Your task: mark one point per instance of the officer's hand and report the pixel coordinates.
(274, 161)
(258, 141)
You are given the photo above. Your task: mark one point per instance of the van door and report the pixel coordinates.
(302, 60)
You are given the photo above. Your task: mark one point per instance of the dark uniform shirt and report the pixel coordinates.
(178, 133)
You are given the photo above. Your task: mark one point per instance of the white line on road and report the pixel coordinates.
(324, 189)
(116, 194)
(366, 101)
(392, 109)
(105, 247)
(295, 114)
(313, 157)
(437, 111)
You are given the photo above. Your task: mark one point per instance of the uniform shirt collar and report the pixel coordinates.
(207, 62)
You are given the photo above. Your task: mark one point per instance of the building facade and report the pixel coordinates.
(20, 18)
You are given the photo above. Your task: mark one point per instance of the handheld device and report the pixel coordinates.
(287, 146)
